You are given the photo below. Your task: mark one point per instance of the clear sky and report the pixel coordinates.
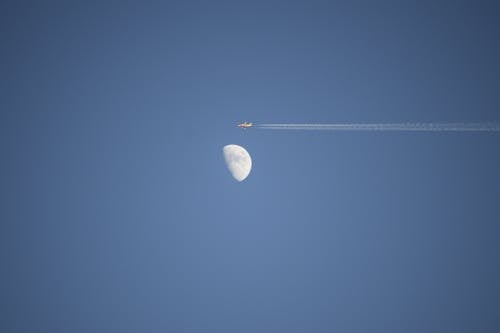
(118, 213)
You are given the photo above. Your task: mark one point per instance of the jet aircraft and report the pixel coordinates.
(245, 125)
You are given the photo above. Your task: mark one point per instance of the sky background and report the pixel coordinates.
(118, 213)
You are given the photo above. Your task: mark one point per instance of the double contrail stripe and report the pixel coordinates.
(405, 127)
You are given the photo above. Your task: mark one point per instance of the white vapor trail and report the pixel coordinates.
(404, 127)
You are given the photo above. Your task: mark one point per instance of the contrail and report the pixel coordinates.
(402, 127)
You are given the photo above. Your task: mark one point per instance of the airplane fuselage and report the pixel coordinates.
(245, 125)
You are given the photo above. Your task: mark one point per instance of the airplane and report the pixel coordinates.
(245, 125)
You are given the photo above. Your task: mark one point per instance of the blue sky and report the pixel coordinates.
(119, 215)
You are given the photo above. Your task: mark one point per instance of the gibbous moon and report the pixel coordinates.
(238, 161)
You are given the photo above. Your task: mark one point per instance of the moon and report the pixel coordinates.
(238, 161)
